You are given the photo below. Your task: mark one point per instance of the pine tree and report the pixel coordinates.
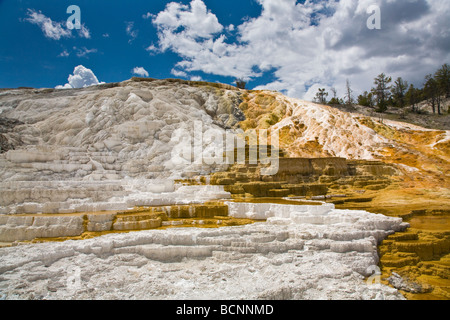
(240, 84)
(442, 77)
(366, 99)
(335, 100)
(382, 92)
(432, 93)
(398, 92)
(321, 96)
(412, 97)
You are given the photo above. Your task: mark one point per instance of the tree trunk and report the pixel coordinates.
(439, 104)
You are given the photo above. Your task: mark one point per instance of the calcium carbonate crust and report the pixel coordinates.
(297, 254)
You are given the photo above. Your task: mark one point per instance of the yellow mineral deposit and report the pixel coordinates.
(410, 181)
(94, 224)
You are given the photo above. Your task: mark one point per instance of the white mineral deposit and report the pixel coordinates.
(298, 253)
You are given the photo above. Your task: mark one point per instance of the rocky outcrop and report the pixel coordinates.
(8, 142)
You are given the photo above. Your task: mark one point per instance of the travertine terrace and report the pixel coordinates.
(101, 168)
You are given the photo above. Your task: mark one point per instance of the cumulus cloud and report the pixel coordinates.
(148, 15)
(140, 71)
(82, 77)
(52, 29)
(195, 19)
(178, 73)
(152, 49)
(310, 44)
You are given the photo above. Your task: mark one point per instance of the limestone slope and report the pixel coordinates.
(65, 150)
(311, 130)
(124, 129)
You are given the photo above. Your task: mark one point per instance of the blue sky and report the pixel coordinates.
(29, 58)
(285, 45)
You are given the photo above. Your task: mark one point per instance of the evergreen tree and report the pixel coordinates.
(382, 92)
(398, 92)
(321, 96)
(412, 97)
(442, 77)
(240, 84)
(366, 99)
(335, 100)
(432, 93)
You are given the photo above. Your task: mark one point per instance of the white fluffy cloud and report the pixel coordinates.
(52, 29)
(197, 22)
(82, 77)
(140, 71)
(311, 44)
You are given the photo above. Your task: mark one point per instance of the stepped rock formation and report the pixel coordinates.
(299, 253)
(79, 163)
(305, 177)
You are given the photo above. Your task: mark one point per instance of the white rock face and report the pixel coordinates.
(78, 150)
(14, 228)
(87, 196)
(268, 260)
(123, 131)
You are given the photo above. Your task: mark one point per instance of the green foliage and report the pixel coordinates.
(382, 92)
(321, 96)
(335, 101)
(241, 84)
(398, 91)
(412, 97)
(366, 99)
(400, 94)
(442, 77)
(433, 92)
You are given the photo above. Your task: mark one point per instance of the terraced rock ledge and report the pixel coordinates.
(298, 252)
